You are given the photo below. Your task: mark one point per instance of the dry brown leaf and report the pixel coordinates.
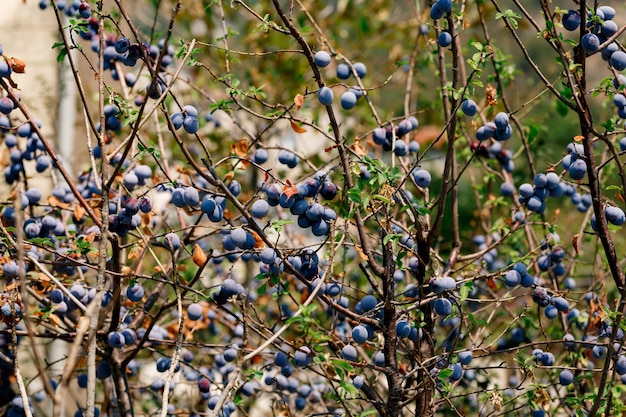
(79, 212)
(358, 149)
(41, 287)
(240, 148)
(575, 243)
(81, 363)
(597, 313)
(360, 252)
(258, 242)
(135, 251)
(146, 220)
(290, 190)
(17, 65)
(229, 176)
(54, 320)
(297, 128)
(542, 398)
(55, 202)
(298, 100)
(198, 257)
(83, 324)
(42, 278)
(491, 94)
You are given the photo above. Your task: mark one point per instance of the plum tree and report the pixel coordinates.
(235, 243)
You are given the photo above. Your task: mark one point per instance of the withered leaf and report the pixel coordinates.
(17, 65)
(360, 252)
(55, 202)
(258, 242)
(135, 251)
(240, 148)
(79, 212)
(290, 190)
(198, 256)
(358, 149)
(297, 128)
(298, 100)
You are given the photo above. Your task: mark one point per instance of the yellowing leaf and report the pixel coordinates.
(298, 100)
(297, 128)
(199, 257)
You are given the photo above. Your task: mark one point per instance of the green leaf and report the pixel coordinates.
(399, 258)
(465, 290)
(383, 199)
(262, 289)
(293, 320)
(278, 224)
(478, 45)
(354, 195)
(62, 54)
(341, 364)
(475, 321)
(561, 108)
(41, 241)
(445, 373)
(510, 16)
